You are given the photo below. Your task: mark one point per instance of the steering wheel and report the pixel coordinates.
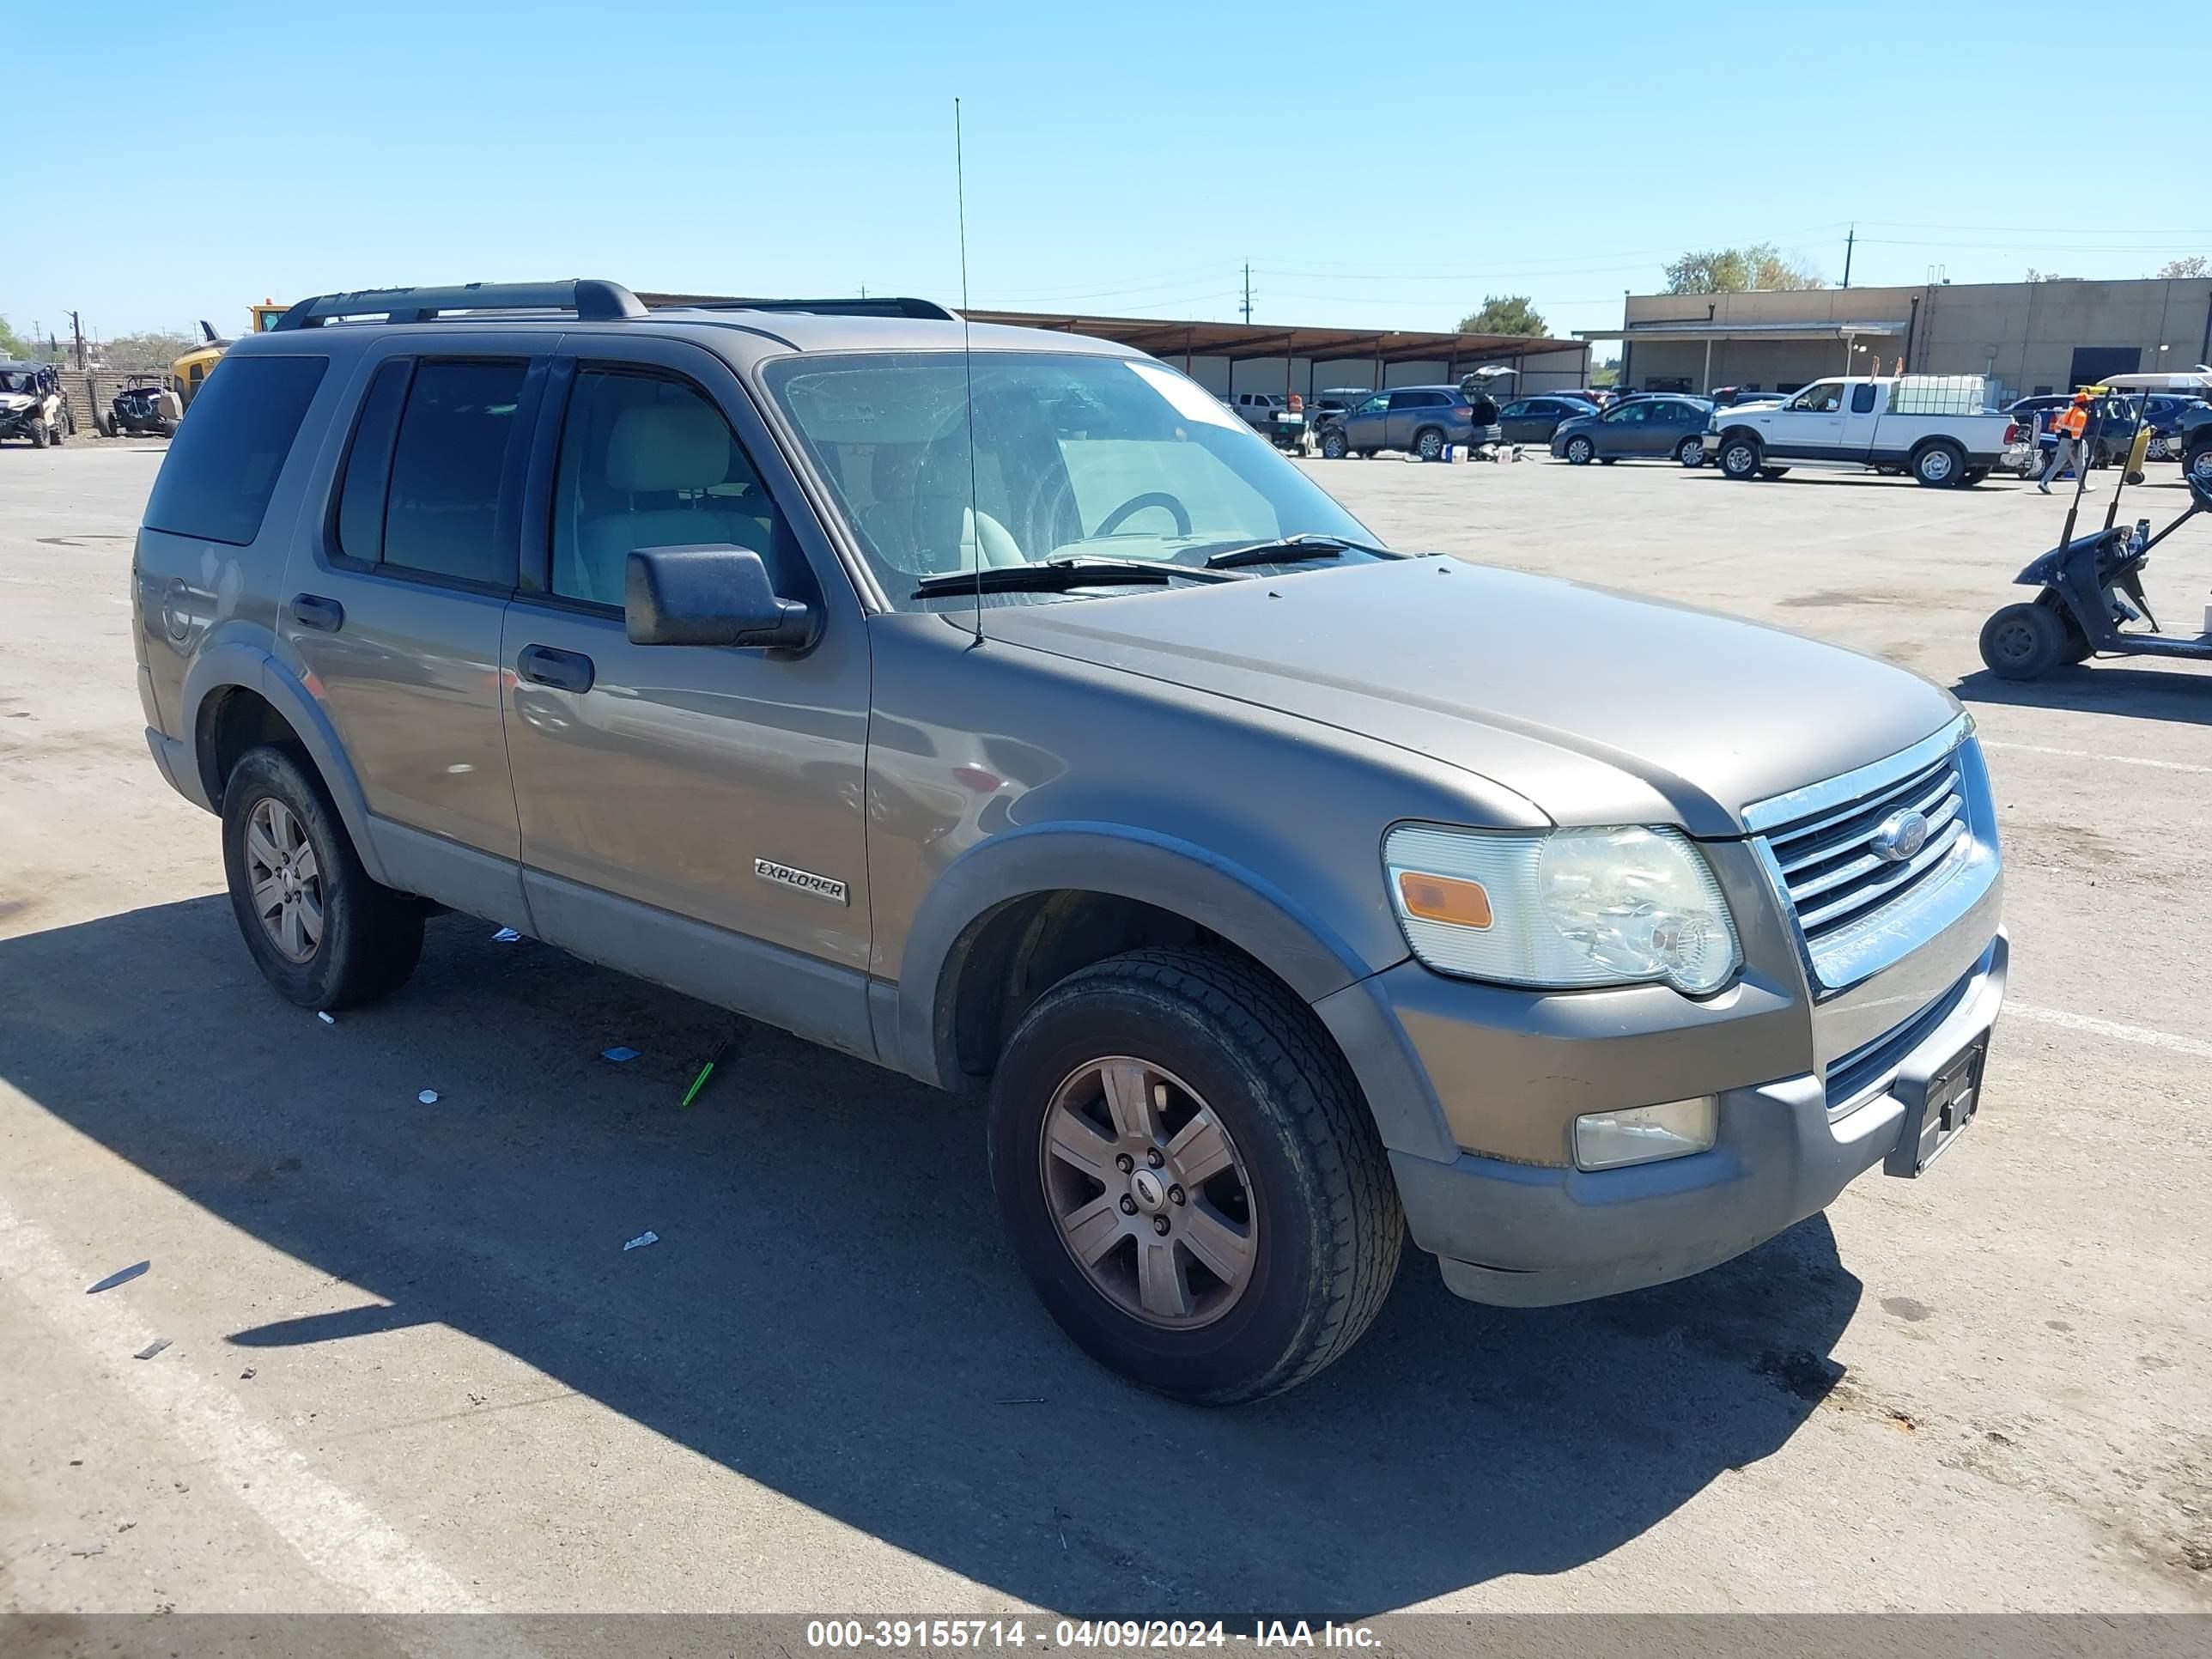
(1137, 504)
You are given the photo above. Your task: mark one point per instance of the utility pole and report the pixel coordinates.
(1848, 242)
(76, 333)
(1248, 290)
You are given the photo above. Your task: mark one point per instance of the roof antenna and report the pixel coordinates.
(974, 527)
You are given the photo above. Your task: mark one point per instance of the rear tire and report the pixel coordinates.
(1974, 475)
(347, 940)
(1429, 443)
(104, 423)
(1691, 452)
(1300, 1209)
(2023, 641)
(1939, 465)
(1771, 473)
(2199, 463)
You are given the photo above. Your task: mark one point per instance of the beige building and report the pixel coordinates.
(2027, 337)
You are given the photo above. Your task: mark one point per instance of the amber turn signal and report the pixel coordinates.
(1444, 898)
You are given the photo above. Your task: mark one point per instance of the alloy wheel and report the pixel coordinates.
(284, 878)
(1148, 1193)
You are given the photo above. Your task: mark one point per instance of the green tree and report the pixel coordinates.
(1738, 271)
(1504, 313)
(13, 345)
(2194, 266)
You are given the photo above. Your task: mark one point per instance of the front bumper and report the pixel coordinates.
(1530, 1235)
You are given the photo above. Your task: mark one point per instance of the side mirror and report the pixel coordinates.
(715, 594)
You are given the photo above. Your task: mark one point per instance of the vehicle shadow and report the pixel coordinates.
(829, 1309)
(2172, 691)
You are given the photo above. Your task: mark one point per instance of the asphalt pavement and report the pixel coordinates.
(410, 1366)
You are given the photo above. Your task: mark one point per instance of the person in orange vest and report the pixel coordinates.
(2072, 422)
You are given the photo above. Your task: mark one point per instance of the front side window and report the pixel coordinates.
(1629, 413)
(223, 464)
(441, 516)
(1821, 398)
(1376, 405)
(647, 461)
(1075, 456)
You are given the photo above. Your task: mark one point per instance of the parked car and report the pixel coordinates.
(32, 405)
(1726, 397)
(1258, 409)
(1606, 939)
(1936, 426)
(1533, 420)
(1647, 426)
(1421, 420)
(2193, 437)
(1280, 419)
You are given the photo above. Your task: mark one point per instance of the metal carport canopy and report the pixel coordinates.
(1238, 342)
(1164, 337)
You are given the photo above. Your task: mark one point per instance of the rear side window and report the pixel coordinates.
(441, 512)
(1862, 400)
(223, 463)
(369, 465)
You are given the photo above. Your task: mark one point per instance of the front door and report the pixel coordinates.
(1367, 426)
(1626, 429)
(693, 813)
(1809, 427)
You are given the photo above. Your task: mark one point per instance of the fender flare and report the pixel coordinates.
(249, 667)
(1192, 881)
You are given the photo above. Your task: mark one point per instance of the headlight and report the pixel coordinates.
(1567, 909)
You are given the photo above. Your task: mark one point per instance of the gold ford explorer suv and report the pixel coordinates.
(997, 705)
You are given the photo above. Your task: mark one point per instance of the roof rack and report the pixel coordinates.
(873, 306)
(592, 301)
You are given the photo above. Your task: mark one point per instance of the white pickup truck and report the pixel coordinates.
(1939, 427)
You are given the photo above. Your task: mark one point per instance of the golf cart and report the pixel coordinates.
(2091, 589)
(32, 405)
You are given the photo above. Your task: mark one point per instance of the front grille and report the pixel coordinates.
(1834, 879)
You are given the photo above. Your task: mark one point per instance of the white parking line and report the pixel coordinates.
(340, 1538)
(2085, 753)
(2195, 1047)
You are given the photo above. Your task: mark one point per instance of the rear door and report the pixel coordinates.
(396, 613)
(1862, 416)
(1518, 422)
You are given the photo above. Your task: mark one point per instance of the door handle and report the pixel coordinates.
(565, 671)
(312, 611)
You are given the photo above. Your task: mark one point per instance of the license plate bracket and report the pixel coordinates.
(1938, 1110)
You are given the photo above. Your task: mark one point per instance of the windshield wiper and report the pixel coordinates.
(1288, 550)
(1058, 575)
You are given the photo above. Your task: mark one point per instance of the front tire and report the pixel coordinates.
(1740, 458)
(2199, 464)
(1333, 447)
(2023, 641)
(1254, 1233)
(1579, 451)
(322, 932)
(37, 434)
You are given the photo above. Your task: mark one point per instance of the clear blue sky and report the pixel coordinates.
(1378, 165)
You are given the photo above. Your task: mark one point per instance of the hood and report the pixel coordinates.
(1576, 423)
(1596, 707)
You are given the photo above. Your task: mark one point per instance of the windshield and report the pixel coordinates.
(1076, 457)
(17, 380)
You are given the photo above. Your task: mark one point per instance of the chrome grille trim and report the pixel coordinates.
(1854, 912)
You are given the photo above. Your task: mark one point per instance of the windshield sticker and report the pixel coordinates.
(1191, 400)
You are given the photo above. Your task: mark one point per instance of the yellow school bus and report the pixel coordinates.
(190, 371)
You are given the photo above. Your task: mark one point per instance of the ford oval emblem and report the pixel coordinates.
(1901, 836)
